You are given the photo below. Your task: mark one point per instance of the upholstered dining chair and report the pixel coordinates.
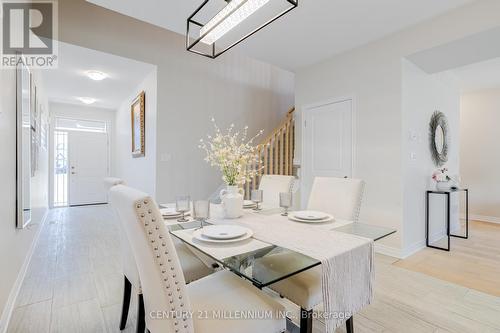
(171, 305)
(193, 269)
(272, 186)
(342, 198)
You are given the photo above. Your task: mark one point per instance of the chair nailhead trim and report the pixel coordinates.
(148, 216)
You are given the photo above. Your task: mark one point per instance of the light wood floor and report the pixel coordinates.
(74, 284)
(473, 263)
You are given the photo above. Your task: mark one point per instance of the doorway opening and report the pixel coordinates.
(81, 160)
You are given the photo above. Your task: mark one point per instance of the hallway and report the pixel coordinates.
(74, 282)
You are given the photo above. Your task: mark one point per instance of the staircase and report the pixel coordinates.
(274, 153)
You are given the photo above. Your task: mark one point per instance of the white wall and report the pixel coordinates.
(84, 112)
(191, 89)
(137, 172)
(373, 75)
(480, 153)
(15, 243)
(422, 95)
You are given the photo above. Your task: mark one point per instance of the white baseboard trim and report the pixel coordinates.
(11, 301)
(388, 250)
(483, 218)
(399, 253)
(412, 249)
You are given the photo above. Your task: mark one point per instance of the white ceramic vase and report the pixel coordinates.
(232, 202)
(444, 186)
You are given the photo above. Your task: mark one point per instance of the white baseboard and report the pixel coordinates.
(399, 253)
(388, 250)
(483, 218)
(412, 249)
(11, 301)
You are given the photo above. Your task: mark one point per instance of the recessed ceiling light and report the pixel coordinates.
(96, 75)
(87, 100)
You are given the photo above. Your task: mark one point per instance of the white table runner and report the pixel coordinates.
(347, 260)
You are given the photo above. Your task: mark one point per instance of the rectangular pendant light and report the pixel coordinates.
(235, 12)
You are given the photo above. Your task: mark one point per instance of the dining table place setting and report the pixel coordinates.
(223, 234)
(310, 216)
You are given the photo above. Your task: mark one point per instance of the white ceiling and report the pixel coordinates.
(482, 75)
(314, 31)
(69, 81)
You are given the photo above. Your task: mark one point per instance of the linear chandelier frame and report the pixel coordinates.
(214, 53)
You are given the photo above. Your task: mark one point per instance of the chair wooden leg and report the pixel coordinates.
(141, 315)
(127, 289)
(349, 325)
(306, 319)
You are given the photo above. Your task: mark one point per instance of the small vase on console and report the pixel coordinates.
(443, 181)
(232, 201)
(444, 186)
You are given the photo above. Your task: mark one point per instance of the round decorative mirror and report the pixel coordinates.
(439, 139)
(438, 131)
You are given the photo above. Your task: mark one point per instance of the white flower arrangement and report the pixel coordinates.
(232, 153)
(441, 175)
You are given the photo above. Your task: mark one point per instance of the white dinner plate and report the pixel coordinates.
(169, 211)
(198, 234)
(328, 218)
(224, 231)
(248, 203)
(310, 215)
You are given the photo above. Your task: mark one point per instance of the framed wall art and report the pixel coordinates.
(138, 116)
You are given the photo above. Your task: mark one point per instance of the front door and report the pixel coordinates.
(88, 166)
(327, 143)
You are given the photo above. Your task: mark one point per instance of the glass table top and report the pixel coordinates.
(270, 263)
(369, 231)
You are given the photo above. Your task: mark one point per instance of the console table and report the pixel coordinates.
(447, 193)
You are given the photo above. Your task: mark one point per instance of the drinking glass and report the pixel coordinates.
(285, 201)
(183, 205)
(256, 197)
(201, 211)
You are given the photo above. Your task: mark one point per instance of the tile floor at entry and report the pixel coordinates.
(74, 284)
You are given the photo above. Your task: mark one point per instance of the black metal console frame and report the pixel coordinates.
(448, 232)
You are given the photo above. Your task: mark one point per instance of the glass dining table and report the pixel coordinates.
(247, 261)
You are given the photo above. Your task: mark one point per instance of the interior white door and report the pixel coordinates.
(327, 144)
(88, 161)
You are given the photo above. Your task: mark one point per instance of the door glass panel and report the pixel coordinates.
(60, 168)
(67, 124)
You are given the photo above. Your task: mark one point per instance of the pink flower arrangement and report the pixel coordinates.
(441, 175)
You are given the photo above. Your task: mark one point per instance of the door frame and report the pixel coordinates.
(307, 108)
(52, 129)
